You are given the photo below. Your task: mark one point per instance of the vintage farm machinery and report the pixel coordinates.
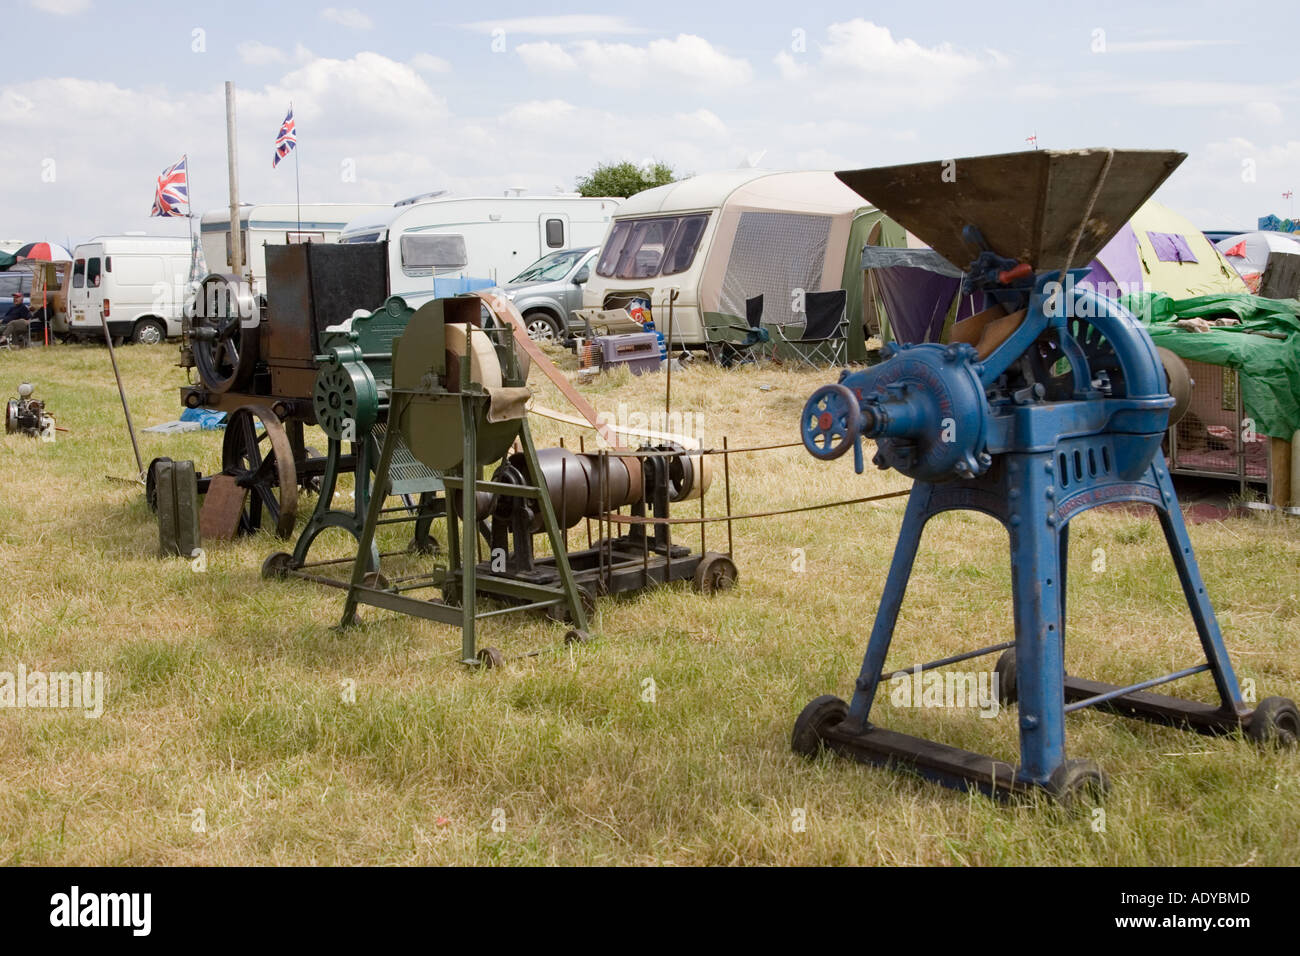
(1056, 406)
(453, 399)
(256, 359)
(25, 415)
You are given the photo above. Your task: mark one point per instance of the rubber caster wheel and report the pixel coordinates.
(814, 720)
(277, 566)
(1276, 721)
(715, 572)
(376, 580)
(560, 612)
(1078, 783)
(1005, 670)
(577, 636)
(490, 657)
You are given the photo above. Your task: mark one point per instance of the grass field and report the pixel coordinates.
(227, 694)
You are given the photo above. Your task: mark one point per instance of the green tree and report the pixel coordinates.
(624, 179)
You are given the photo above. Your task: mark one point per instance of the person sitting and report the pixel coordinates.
(18, 310)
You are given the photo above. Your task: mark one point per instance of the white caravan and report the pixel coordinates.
(444, 245)
(137, 284)
(278, 224)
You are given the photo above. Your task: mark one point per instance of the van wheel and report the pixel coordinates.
(541, 327)
(149, 332)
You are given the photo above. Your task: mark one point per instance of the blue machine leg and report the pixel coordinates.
(891, 601)
(1189, 574)
(1037, 595)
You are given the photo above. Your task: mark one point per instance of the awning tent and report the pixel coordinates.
(1160, 251)
(917, 290)
(1248, 253)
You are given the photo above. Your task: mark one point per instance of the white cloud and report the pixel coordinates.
(62, 8)
(539, 114)
(1263, 111)
(1163, 46)
(546, 56)
(428, 63)
(349, 17)
(256, 53)
(860, 57)
(701, 123)
(686, 58)
(571, 24)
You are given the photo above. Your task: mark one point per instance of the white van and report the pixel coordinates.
(137, 283)
(444, 245)
(278, 224)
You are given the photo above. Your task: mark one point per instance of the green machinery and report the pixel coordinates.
(351, 402)
(427, 398)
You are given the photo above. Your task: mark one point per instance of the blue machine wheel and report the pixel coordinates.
(832, 421)
(814, 720)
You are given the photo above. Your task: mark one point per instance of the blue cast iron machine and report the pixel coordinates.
(1066, 413)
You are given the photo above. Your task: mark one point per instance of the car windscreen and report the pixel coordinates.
(645, 248)
(552, 267)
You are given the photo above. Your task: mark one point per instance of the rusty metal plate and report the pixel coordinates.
(222, 507)
(1028, 205)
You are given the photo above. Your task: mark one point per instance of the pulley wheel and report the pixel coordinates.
(261, 462)
(225, 332)
(1180, 384)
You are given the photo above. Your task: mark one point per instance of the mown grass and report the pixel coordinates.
(227, 694)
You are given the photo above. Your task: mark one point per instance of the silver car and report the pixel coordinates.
(549, 290)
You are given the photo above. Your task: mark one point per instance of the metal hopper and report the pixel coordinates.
(1028, 205)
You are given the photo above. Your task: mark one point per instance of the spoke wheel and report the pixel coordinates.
(262, 462)
(224, 333)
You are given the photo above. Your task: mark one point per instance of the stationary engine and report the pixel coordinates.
(26, 415)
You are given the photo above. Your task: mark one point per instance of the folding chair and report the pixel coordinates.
(18, 334)
(728, 353)
(825, 329)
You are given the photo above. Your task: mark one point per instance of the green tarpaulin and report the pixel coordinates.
(6, 260)
(1265, 348)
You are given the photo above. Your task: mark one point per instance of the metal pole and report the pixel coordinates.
(668, 347)
(232, 162)
(130, 428)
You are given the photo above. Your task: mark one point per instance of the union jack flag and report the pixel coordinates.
(287, 139)
(172, 191)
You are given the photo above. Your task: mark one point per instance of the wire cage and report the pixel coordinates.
(1215, 439)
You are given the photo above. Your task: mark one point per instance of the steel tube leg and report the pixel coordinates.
(469, 537)
(1035, 584)
(882, 631)
(1189, 575)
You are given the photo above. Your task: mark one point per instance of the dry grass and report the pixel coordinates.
(224, 691)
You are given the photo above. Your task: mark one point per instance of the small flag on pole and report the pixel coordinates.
(172, 191)
(1287, 195)
(287, 139)
(1032, 140)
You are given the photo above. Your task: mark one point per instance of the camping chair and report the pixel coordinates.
(825, 329)
(728, 353)
(17, 334)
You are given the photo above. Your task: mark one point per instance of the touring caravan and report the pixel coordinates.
(275, 223)
(436, 244)
(720, 238)
(137, 283)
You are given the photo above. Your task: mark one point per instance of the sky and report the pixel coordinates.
(398, 98)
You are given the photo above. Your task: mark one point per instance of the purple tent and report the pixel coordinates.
(1117, 270)
(917, 287)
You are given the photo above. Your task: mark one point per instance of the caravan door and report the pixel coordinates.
(553, 232)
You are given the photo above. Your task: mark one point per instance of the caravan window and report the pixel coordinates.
(423, 254)
(686, 240)
(643, 248)
(554, 233)
(243, 248)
